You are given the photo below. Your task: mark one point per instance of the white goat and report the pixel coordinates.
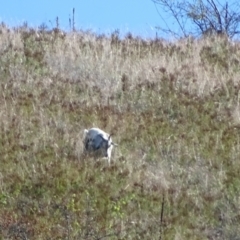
(98, 143)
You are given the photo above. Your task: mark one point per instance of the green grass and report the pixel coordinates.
(173, 109)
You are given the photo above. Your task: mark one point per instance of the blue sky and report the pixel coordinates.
(137, 16)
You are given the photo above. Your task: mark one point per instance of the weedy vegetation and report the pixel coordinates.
(172, 107)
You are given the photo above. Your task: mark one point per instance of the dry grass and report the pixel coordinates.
(173, 108)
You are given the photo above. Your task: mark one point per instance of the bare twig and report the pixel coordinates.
(161, 219)
(73, 20)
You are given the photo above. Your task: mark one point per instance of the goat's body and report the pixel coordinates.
(98, 143)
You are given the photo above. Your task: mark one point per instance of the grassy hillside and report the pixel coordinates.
(173, 108)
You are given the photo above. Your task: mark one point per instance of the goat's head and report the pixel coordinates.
(107, 145)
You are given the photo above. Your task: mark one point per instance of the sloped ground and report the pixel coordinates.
(173, 108)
